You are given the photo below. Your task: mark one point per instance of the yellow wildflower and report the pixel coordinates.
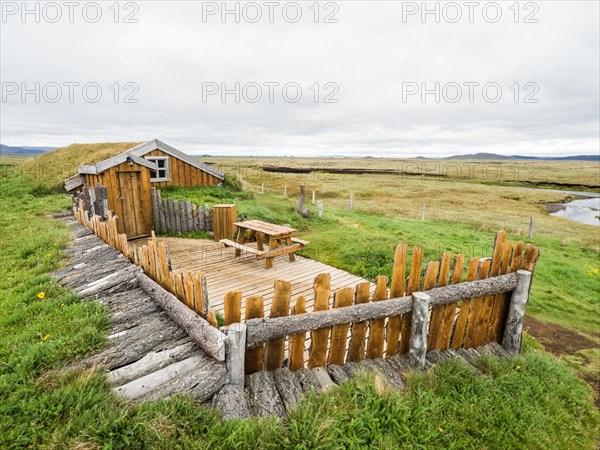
(62, 305)
(593, 271)
(41, 295)
(45, 338)
(517, 367)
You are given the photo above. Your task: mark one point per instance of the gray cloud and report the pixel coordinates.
(369, 54)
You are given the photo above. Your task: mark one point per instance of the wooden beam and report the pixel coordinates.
(208, 338)
(418, 336)
(516, 313)
(262, 330)
(235, 354)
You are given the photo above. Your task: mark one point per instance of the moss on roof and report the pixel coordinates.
(50, 169)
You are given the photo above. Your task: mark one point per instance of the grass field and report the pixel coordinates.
(461, 217)
(543, 173)
(533, 401)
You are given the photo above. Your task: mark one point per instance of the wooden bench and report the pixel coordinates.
(300, 241)
(262, 254)
(244, 248)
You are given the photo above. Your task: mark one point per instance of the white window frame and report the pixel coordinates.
(153, 159)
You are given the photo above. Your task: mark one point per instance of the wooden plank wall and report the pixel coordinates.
(465, 324)
(181, 216)
(109, 179)
(153, 258)
(183, 174)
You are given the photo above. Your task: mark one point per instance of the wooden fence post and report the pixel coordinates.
(531, 223)
(418, 337)
(236, 351)
(339, 333)
(284, 191)
(516, 313)
(254, 356)
(232, 304)
(156, 224)
(398, 286)
(414, 280)
(296, 346)
(281, 306)
(262, 188)
(350, 206)
(320, 338)
(209, 218)
(204, 296)
(356, 348)
(313, 197)
(377, 326)
(423, 213)
(320, 209)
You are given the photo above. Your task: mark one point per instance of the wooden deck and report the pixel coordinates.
(224, 272)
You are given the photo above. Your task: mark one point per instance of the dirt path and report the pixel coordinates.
(561, 341)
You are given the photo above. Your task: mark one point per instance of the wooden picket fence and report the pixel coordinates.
(179, 216)
(452, 320)
(153, 258)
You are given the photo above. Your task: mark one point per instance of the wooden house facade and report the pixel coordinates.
(129, 177)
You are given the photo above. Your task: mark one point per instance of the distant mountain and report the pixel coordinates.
(479, 156)
(494, 156)
(23, 150)
(562, 158)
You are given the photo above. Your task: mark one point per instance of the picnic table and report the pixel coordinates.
(279, 240)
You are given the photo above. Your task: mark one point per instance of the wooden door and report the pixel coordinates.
(130, 195)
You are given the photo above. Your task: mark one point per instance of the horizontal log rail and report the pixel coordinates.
(206, 336)
(265, 329)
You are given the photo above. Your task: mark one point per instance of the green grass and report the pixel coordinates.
(566, 289)
(49, 170)
(533, 401)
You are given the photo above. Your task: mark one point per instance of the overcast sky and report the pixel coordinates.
(541, 77)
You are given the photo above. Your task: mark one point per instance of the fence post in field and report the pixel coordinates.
(236, 351)
(262, 188)
(244, 184)
(320, 209)
(285, 191)
(516, 313)
(313, 198)
(418, 337)
(531, 227)
(350, 206)
(423, 213)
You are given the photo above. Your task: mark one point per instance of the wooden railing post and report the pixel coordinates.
(418, 337)
(236, 352)
(516, 313)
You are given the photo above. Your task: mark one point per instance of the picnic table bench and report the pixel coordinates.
(279, 239)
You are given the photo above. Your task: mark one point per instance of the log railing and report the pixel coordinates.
(266, 329)
(433, 310)
(436, 311)
(182, 294)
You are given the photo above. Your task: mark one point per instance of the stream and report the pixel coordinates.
(583, 211)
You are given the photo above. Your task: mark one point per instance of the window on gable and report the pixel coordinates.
(161, 173)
